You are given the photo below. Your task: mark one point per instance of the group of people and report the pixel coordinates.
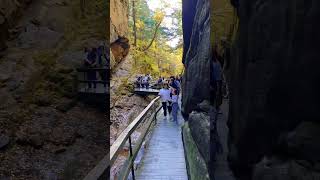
(96, 58)
(162, 80)
(169, 94)
(143, 81)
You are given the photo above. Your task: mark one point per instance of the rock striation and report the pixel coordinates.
(196, 79)
(195, 86)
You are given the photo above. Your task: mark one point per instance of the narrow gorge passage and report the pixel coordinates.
(164, 156)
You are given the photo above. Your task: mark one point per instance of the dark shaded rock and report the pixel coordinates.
(43, 99)
(9, 12)
(303, 142)
(38, 37)
(204, 106)
(34, 140)
(14, 84)
(59, 149)
(4, 77)
(65, 70)
(199, 123)
(196, 79)
(283, 170)
(63, 136)
(72, 59)
(188, 13)
(274, 82)
(66, 105)
(4, 141)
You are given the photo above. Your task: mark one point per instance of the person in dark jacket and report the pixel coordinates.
(91, 63)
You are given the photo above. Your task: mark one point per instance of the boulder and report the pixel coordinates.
(196, 164)
(199, 124)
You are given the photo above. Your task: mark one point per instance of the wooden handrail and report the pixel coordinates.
(101, 169)
(120, 141)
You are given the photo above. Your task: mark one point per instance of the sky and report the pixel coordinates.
(167, 21)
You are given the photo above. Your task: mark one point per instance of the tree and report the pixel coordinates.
(158, 18)
(134, 23)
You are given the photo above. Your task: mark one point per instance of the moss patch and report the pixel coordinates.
(196, 166)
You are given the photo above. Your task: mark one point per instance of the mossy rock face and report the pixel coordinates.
(196, 166)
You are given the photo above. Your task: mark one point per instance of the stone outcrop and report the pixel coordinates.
(197, 69)
(119, 50)
(195, 86)
(274, 73)
(119, 17)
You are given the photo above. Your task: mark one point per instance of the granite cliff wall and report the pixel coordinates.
(119, 16)
(195, 86)
(274, 102)
(9, 12)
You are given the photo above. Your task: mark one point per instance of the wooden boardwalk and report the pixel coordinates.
(145, 91)
(164, 158)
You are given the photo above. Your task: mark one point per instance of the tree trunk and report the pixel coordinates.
(154, 36)
(134, 23)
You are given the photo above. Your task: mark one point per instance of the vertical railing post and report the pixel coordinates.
(132, 168)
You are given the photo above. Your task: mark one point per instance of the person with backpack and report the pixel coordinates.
(174, 84)
(164, 94)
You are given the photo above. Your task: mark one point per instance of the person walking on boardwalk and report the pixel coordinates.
(175, 106)
(164, 94)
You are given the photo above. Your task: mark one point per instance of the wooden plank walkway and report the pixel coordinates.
(145, 91)
(164, 156)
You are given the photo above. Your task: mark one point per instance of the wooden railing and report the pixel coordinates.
(83, 79)
(101, 171)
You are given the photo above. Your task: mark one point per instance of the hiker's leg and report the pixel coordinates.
(164, 106)
(169, 107)
(175, 112)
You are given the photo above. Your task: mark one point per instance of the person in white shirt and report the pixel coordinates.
(164, 94)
